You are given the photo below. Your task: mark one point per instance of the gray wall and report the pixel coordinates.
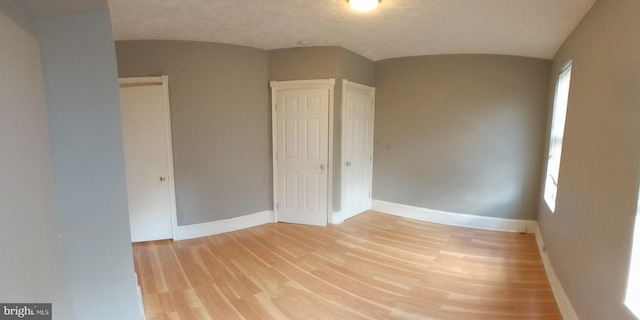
(304, 63)
(221, 116)
(357, 68)
(589, 236)
(32, 264)
(320, 63)
(84, 117)
(461, 133)
(220, 123)
(323, 63)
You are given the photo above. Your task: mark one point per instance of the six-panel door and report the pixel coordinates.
(302, 155)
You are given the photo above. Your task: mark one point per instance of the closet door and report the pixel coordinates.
(301, 145)
(149, 167)
(357, 148)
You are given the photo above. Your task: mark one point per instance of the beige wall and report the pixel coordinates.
(220, 126)
(588, 238)
(461, 133)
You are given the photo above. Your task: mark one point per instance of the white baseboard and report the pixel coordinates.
(222, 226)
(455, 219)
(140, 304)
(336, 218)
(566, 309)
(139, 293)
(486, 223)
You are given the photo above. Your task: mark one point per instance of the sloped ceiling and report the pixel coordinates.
(398, 28)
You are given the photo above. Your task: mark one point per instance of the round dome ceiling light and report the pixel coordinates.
(363, 5)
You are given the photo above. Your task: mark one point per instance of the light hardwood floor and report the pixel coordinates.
(373, 266)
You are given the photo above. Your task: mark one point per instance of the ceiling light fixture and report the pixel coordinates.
(363, 5)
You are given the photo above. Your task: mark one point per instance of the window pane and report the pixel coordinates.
(632, 300)
(557, 136)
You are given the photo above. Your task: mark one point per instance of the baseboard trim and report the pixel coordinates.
(139, 294)
(221, 226)
(336, 218)
(486, 223)
(455, 219)
(566, 309)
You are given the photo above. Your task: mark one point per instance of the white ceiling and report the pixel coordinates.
(398, 28)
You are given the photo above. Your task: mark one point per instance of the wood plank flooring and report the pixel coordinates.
(373, 266)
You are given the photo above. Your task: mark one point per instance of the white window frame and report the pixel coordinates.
(556, 136)
(632, 298)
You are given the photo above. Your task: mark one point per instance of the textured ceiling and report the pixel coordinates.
(398, 28)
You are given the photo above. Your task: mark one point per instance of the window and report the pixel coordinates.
(556, 137)
(632, 300)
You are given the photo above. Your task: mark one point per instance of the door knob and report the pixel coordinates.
(163, 178)
(348, 163)
(322, 166)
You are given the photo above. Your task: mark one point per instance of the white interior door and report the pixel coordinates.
(149, 166)
(301, 148)
(357, 148)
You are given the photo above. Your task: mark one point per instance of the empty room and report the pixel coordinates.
(393, 159)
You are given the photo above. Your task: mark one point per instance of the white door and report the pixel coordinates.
(147, 148)
(301, 148)
(357, 148)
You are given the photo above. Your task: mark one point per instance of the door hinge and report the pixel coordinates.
(370, 158)
(277, 206)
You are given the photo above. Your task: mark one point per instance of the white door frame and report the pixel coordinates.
(164, 81)
(364, 89)
(301, 84)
